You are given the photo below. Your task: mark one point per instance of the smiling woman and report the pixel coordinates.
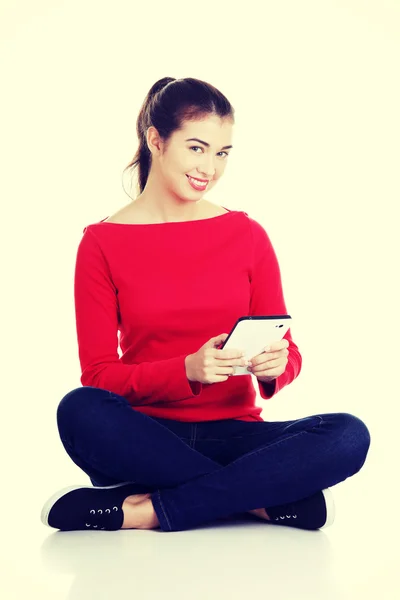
(155, 428)
(174, 113)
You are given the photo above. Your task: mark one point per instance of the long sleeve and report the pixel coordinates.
(97, 318)
(267, 299)
(149, 294)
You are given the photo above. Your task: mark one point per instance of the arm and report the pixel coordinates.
(267, 299)
(96, 311)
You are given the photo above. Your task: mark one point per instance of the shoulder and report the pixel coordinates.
(210, 209)
(127, 214)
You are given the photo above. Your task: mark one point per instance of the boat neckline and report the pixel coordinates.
(230, 212)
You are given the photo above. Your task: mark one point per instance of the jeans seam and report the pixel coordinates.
(193, 438)
(163, 510)
(233, 437)
(238, 437)
(258, 450)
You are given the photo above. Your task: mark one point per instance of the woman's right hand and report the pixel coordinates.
(210, 365)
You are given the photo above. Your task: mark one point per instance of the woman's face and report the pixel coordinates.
(205, 159)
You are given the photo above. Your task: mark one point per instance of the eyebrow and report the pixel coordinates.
(205, 143)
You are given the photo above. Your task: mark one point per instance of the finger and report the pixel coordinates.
(261, 356)
(267, 350)
(265, 356)
(265, 366)
(256, 368)
(260, 359)
(276, 346)
(263, 372)
(271, 371)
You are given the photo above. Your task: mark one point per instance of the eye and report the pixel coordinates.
(222, 152)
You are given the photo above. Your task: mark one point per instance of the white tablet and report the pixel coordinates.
(252, 334)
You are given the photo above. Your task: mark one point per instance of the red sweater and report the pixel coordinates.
(162, 291)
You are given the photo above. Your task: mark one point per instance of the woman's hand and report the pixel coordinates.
(271, 363)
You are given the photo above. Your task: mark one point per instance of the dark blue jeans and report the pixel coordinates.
(199, 472)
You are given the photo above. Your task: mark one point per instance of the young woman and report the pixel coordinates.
(167, 438)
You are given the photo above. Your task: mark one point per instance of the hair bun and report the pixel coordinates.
(160, 85)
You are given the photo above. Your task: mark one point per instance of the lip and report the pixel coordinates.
(197, 179)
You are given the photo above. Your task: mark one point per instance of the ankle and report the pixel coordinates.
(260, 512)
(139, 512)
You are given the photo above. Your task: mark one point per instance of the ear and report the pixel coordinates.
(154, 141)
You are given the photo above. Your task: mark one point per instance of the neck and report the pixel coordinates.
(171, 211)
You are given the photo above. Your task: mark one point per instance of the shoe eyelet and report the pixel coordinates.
(100, 511)
(87, 524)
(115, 507)
(107, 510)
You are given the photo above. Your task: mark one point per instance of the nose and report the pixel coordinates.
(206, 173)
(208, 169)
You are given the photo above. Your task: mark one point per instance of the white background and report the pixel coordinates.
(315, 86)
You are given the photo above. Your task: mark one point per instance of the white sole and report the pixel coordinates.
(330, 508)
(51, 501)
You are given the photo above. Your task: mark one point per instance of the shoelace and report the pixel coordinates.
(101, 518)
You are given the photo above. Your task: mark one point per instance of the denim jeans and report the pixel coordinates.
(202, 471)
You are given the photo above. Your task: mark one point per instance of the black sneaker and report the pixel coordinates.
(85, 507)
(315, 512)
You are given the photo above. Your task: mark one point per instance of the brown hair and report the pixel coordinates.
(167, 105)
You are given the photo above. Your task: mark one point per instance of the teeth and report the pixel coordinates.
(196, 182)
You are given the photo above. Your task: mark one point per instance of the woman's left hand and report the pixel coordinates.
(271, 363)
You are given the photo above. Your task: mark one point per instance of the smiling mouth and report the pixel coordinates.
(196, 185)
(199, 181)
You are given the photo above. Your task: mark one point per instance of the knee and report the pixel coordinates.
(74, 405)
(354, 439)
(67, 410)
